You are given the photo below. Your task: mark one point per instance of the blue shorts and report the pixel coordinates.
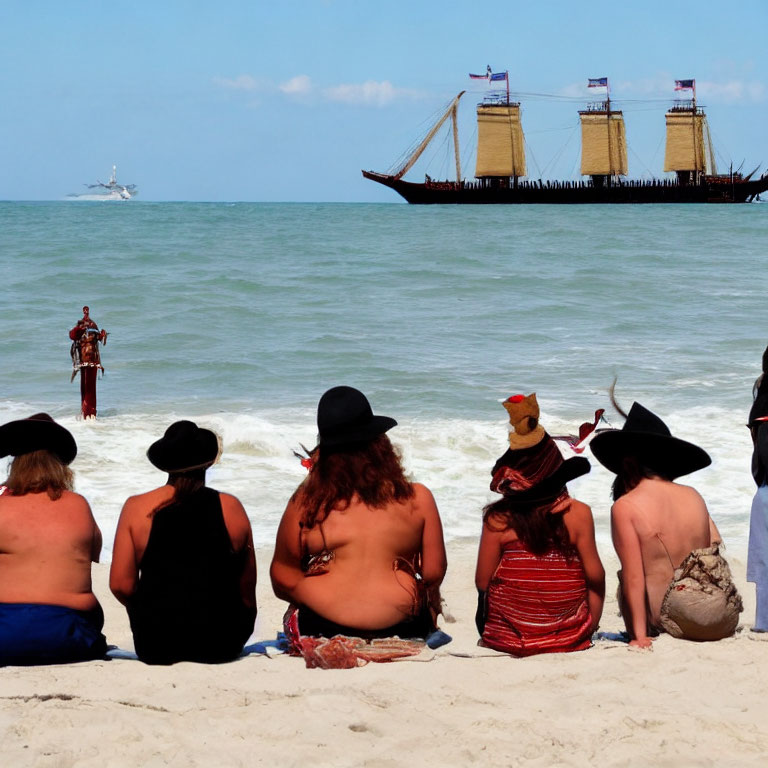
(49, 634)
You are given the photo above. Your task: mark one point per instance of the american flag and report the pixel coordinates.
(597, 82)
(684, 85)
(498, 76)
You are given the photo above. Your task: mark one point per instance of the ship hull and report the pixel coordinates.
(719, 190)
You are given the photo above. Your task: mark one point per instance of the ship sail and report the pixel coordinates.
(501, 160)
(603, 143)
(500, 141)
(689, 146)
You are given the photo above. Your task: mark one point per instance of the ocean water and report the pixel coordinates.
(240, 316)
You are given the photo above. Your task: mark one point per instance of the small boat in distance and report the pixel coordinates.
(112, 190)
(501, 174)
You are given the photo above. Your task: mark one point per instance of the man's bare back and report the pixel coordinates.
(655, 526)
(46, 549)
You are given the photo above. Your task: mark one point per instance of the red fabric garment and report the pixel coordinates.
(88, 390)
(342, 652)
(537, 604)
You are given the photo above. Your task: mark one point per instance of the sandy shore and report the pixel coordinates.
(681, 704)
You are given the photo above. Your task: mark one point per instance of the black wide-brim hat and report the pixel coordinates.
(344, 416)
(647, 438)
(37, 433)
(184, 447)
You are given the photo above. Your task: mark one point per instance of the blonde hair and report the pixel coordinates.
(39, 472)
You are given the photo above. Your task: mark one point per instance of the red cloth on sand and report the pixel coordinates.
(537, 604)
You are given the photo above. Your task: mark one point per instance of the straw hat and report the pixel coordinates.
(524, 417)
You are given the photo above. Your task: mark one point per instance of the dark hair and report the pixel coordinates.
(184, 485)
(39, 472)
(537, 527)
(370, 470)
(633, 470)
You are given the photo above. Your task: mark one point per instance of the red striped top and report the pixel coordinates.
(537, 604)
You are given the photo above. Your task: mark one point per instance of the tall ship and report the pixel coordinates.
(501, 173)
(110, 190)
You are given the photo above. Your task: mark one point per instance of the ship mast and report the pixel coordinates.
(452, 111)
(500, 139)
(689, 145)
(603, 139)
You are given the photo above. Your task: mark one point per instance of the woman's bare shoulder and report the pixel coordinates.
(578, 516)
(422, 498)
(579, 508)
(232, 506)
(147, 500)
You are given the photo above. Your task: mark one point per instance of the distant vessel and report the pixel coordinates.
(500, 164)
(112, 190)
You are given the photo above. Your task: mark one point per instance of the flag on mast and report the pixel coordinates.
(597, 82)
(685, 85)
(481, 77)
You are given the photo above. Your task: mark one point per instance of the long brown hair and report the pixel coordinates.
(39, 472)
(633, 470)
(184, 484)
(371, 471)
(538, 528)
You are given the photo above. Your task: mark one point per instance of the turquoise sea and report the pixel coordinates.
(241, 315)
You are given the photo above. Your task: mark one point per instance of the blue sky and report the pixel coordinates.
(248, 100)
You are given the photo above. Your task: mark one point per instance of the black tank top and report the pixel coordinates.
(187, 605)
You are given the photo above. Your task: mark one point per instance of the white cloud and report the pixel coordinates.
(370, 93)
(239, 83)
(731, 90)
(300, 85)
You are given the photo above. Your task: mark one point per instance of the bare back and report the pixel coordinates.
(660, 522)
(368, 582)
(46, 550)
(132, 535)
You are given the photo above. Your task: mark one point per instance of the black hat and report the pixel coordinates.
(38, 432)
(183, 447)
(646, 437)
(344, 415)
(536, 473)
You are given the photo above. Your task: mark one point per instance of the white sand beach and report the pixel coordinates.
(681, 704)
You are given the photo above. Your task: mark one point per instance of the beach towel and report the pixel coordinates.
(701, 602)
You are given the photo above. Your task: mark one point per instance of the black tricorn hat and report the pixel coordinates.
(344, 416)
(36, 433)
(184, 447)
(646, 437)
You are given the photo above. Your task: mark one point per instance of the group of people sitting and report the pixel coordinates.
(359, 550)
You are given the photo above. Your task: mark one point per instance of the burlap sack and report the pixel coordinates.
(702, 602)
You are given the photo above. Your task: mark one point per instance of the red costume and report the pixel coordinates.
(86, 359)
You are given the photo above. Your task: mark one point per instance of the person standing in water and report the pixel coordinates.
(87, 360)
